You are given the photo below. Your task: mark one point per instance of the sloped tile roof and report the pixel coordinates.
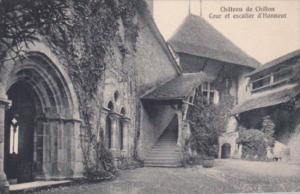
(275, 62)
(177, 88)
(197, 37)
(271, 99)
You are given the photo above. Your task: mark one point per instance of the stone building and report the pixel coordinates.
(273, 93)
(141, 104)
(40, 122)
(199, 47)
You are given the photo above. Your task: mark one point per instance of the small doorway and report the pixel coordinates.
(225, 150)
(19, 128)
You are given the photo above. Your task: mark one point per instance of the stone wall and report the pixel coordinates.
(132, 76)
(129, 75)
(155, 119)
(152, 64)
(153, 67)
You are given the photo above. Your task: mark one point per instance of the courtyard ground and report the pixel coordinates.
(228, 176)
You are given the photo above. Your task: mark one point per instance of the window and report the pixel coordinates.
(209, 93)
(121, 135)
(261, 82)
(121, 128)
(123, 112)
(282, 74)
(274, 78)
(108, 133)
(14, 137)
(116, 96)
(110, 106)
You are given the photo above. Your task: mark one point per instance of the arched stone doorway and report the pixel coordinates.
(45, 104)
(225, 150)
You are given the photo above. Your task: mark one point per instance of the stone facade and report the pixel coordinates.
(55, 139)
(121, 118)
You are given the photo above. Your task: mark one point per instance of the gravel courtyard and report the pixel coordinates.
(228, 176)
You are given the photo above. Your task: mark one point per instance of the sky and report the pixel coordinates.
(264, 39)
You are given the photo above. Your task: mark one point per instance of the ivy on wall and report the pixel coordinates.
(204, 129)
(84, 44)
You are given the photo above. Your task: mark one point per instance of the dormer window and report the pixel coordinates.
(261, 82)
(282, 74)
(274, 78)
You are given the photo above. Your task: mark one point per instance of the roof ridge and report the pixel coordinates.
(196, 30)
(276, 61)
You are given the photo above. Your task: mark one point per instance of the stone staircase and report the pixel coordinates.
(165, 153)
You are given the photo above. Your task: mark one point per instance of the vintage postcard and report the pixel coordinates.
(149, 96)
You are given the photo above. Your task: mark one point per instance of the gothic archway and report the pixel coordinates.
(51, 126)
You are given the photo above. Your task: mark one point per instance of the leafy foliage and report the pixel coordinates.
(21, 20)
(82, 33)
(103, 166)
(204, 129)
(254, 144)
(85, 44)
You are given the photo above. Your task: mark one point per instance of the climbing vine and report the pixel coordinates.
(204, 129)
(84, 44)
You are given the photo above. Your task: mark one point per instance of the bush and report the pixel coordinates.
(254, 144)
(128, 163)
(204, 130)
(190, 159)
(103, 167)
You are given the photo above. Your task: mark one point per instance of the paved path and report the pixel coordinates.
(228, 176)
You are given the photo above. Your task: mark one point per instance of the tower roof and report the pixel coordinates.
(197, 37)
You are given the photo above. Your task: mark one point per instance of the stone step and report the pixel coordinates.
(174, 162)
(169, 165)
(162, 159)
(165, 147)
(166, 144)
(167, 140)
(163, 154)
(157, 150)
